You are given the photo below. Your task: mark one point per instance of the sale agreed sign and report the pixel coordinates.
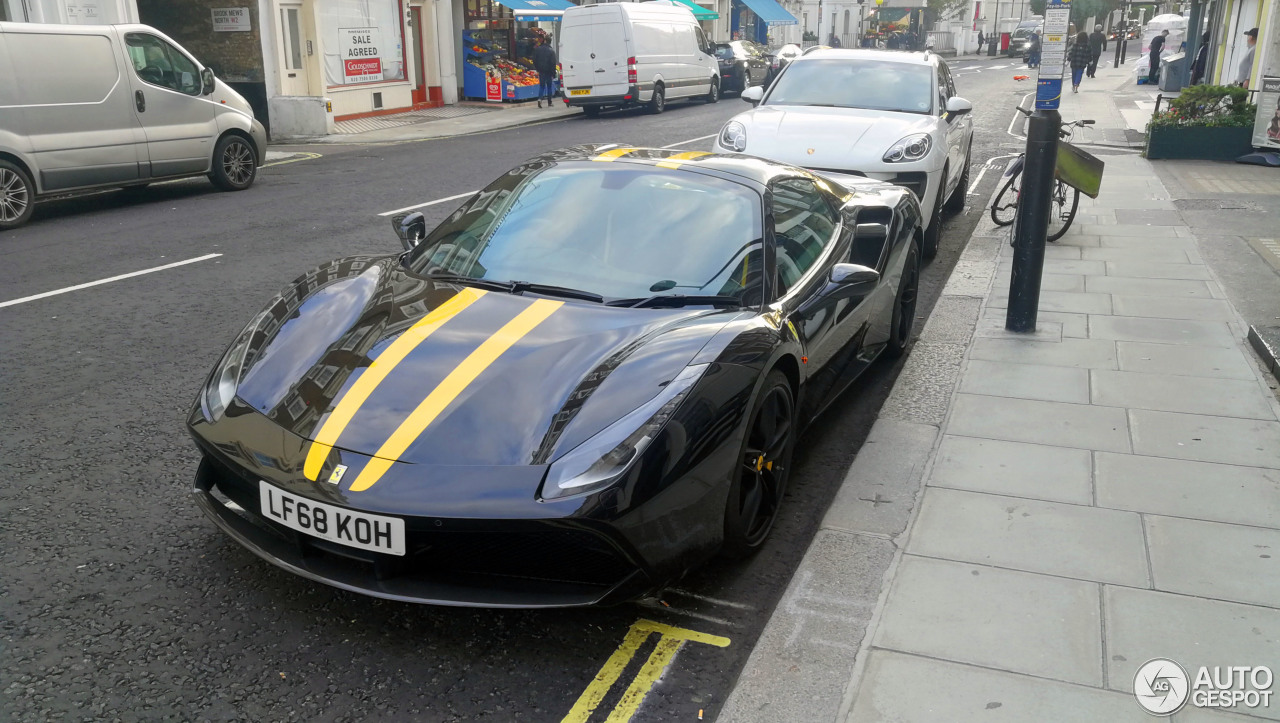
(361, 55)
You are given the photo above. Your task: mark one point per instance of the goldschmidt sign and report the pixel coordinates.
(361, 59)
(1163, 687)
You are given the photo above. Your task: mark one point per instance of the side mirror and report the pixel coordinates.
(207, 84)
(753, 94)
(958, 106)
(853, 280)
(411, 228)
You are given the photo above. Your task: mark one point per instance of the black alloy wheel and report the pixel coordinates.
(933, 233)
(658, 102)
(235, 165)
(904, 307)
(17, 196)
(955, 204)
(761, 479)
(713, 95)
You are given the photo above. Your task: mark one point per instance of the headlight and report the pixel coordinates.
(604, 458)
(911, 148)
(734, 135)
(226, 377)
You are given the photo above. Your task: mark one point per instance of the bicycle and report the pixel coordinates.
(1063, 202)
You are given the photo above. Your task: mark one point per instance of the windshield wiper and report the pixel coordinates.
(517, 287)
(677, 300)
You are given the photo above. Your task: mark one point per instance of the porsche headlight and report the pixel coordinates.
(734, 135)
(226, 377)
(912, 148)
(605, 457)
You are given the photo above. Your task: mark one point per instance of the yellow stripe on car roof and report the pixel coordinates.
(449, 389)
(611, 155)
(377, 371)
(678, 159)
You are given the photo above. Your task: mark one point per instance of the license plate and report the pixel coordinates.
(335, 524)
(583, 91)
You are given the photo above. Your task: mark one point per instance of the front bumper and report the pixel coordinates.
(259, 134)
(470, 563)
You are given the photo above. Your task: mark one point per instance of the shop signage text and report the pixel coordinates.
(231, 20)
(361, 59)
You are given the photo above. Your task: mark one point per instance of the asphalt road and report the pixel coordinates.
(119, 600)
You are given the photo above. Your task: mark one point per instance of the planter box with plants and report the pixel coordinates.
(1206, 122)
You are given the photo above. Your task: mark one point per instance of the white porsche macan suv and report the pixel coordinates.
(891, 116)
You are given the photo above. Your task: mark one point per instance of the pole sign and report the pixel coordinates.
(1053, 55)
(361, 59)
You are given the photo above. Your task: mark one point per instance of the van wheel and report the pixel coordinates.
(713, 95)
(235, 165)
(591, 111)
(658, 102)
(17, 196)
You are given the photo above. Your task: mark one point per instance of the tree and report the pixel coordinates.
(944, 9)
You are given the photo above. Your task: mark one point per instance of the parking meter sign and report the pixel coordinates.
(1057, 21)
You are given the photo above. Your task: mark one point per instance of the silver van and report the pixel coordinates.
(101, 106)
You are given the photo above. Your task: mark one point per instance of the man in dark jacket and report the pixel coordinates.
(544, 61)
(1153, 58)
(1097, 45)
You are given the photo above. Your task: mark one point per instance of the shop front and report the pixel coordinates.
(498, 39)
(363, 63)
(752, 19)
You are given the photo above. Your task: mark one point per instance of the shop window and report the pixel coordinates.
(363, 41)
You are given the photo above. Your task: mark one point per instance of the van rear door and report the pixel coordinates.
(594, 54)
(178, 120)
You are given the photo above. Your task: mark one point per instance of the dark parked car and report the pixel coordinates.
(778, 59)
(421, 427)
(742, 65)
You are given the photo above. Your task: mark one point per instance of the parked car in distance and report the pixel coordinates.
(889, 115)
(101, 106)
(779, 58)
(1020, 39)
(742, 65)
(617, 55)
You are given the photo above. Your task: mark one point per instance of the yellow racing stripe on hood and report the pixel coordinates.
(377, 371)
(611, 155)
(675, 161)
(449, 389)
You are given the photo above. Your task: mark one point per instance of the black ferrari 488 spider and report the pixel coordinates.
(582, 384)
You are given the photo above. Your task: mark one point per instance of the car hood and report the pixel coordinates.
(523, 399)
(840, 138)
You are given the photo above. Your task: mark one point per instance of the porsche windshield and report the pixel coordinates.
(617, 230)
(845, 83)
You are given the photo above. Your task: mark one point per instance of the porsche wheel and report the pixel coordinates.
(761, 479)
(904, 307)
(955, 204)
(933, 233)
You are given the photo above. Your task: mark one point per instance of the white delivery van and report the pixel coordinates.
(102, 106)
(622, 54)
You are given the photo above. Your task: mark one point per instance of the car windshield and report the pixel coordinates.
(855, 83)
(724, 52)
(621, 230)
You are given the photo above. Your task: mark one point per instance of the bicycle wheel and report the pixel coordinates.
(1005, 208)
(1062, 210)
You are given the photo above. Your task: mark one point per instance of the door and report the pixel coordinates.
(293, 51)
(178, 121)
(419, 67)
(76, 108)
(608, 59)
(958, 127)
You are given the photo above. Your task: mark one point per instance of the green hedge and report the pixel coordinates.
(1208, 106)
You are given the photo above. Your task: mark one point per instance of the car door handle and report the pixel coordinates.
(140, 100)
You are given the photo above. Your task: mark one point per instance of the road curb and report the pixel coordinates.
(816, 639)
(1268, 350)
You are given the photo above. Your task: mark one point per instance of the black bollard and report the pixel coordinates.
(1031, 227)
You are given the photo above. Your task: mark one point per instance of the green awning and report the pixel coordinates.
(699, 12)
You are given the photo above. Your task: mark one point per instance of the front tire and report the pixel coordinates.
(933, 234)
(235, 164)
(760, 480)
(17, 196)
(1005, 208)
(904, 306)
(955, 203)
(713, 95)
(658, 102)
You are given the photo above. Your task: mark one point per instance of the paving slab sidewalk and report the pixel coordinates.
(1035, 516)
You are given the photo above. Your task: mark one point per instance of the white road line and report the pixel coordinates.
(691, 140)
(1017, 115)
(428, 203)
(976, 181)
(77, 287)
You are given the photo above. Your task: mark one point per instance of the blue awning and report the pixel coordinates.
(529, 9)
(771, 12)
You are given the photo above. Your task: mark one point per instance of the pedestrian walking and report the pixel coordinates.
(1080, 57)
(1202, 58)
(1153, 57)
(544, 61)
(1097, 46)
(1033, 50)
(982, 39)
(1246, 63)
